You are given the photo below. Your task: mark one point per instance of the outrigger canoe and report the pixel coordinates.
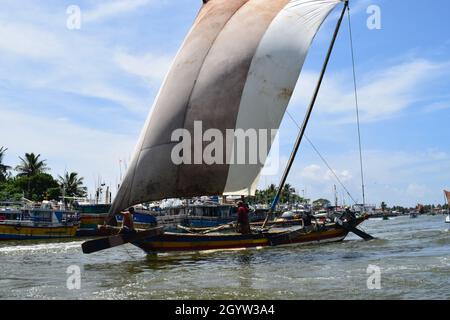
(170, 242)
(235, 72)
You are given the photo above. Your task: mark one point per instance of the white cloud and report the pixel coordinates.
(389, 176)
(76, 63)
(29, 41)
(417, 191)
(312, 173)
(382, 93)
(110, 9)
(152, 68)
(438, 106)
(66, 145)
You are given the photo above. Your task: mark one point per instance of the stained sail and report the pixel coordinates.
(237, 69)
(447, 194)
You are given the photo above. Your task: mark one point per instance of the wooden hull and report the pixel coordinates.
(14, 232)
(89, 223)
(169, 242)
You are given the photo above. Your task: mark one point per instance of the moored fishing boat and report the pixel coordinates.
(37, 222)
(91, 216)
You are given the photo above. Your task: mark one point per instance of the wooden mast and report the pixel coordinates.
(307, 117)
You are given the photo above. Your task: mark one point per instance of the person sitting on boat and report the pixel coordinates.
(128, 222)
(243, 223)
(308, 218)
(348, 215)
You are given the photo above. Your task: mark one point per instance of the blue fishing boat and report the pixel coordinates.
(40, 221)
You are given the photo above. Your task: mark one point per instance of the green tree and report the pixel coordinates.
(286, 193)
(31, 165)
(10, 191)
(383, 206)
(323, 203)
(72, 185)
(3, 168)
(37, 186)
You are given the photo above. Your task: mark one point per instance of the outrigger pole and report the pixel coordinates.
(307, 117)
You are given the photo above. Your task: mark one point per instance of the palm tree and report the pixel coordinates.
(3, 168)
(72, 185)
(286, 193)
(31, 165)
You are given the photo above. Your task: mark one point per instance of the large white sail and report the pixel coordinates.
(237, 69)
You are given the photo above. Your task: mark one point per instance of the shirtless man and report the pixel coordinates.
(128, 222)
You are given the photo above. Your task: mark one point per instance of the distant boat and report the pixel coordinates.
(447, 195)
(91, 215)
(37, 222)
(413, 215)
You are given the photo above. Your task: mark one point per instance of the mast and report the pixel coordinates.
(335, 198)
(307, 117)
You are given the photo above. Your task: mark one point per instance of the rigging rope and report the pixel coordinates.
(357, 108)
(324, 160)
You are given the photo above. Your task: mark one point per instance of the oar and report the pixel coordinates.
(219, 228)
(355, 230)
(96, 245)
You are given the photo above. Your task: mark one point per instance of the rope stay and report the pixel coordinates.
(324, 160)
(358, 126)
(357, 108)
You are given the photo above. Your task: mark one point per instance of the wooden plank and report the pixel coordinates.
(96, 245)
(355, 230)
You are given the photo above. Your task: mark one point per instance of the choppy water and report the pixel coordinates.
(413, 254)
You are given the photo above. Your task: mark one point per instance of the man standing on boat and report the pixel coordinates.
(243, 223)
(128, 222)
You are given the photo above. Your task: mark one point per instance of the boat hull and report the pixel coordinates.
(14, 232)
(170, 242)
(89, 223)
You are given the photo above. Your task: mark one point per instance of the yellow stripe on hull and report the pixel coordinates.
(212, 244)
(16, 232)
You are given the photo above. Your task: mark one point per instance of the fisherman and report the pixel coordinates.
(128, 222)
(243, 223)
(308, 218)
(348, 215)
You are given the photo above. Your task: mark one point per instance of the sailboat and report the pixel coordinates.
(236, 71)
(447, 195)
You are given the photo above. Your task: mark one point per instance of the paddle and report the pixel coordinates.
(350, 228)
(96, 245)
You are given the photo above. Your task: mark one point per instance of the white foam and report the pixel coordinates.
(41, 247)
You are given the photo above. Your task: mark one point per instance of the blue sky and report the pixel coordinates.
(80, 97)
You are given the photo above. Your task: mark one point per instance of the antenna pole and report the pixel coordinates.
(307, 117)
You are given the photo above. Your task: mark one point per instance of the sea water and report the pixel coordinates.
(411, 258)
